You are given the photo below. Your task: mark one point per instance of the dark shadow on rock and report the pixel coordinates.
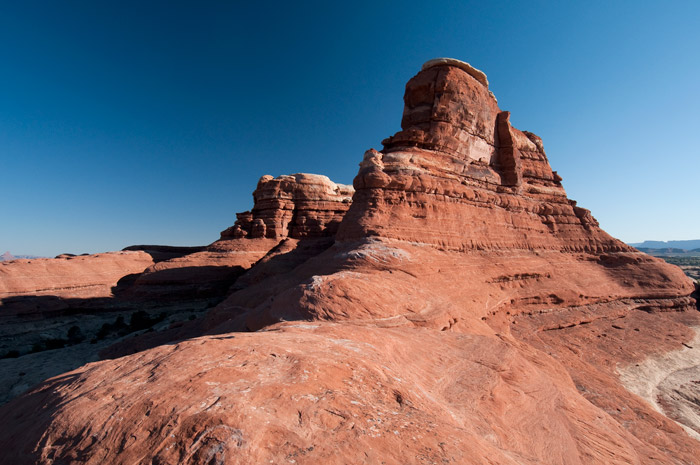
(177, 332)
(278, 269)
(275, 282)
(185, 282)
(282, 259)
(36, 307)
(161, 253)
(35, 329)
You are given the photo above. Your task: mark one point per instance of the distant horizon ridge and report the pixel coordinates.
(676, 244)
(7, 256)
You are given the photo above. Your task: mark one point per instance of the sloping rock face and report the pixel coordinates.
(322, 394)
(467, 312)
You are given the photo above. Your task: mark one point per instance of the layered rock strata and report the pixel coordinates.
(483, 198)
(467, 312)
(459, 164)
(296, 206)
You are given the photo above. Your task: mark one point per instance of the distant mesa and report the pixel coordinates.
(452, 306)
(682, 245)
(688, 248)
(665, 250)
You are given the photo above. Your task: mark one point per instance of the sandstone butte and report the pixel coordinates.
(459, 309)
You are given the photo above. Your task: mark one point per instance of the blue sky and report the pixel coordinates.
(150, 122)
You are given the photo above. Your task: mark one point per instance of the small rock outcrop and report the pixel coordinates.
(297, 206)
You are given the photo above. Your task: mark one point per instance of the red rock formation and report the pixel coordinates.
(297, 206)
(459, 164)
(460, 180)
(468, 312)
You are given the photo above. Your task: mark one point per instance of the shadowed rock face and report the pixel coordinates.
(466, 311)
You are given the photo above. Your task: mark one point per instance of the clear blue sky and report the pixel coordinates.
(150, 122)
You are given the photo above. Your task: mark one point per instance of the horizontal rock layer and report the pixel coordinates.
(81, 276)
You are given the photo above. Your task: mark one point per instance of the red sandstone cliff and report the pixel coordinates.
(467, 312)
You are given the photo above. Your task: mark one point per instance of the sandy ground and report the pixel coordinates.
(671, 384)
